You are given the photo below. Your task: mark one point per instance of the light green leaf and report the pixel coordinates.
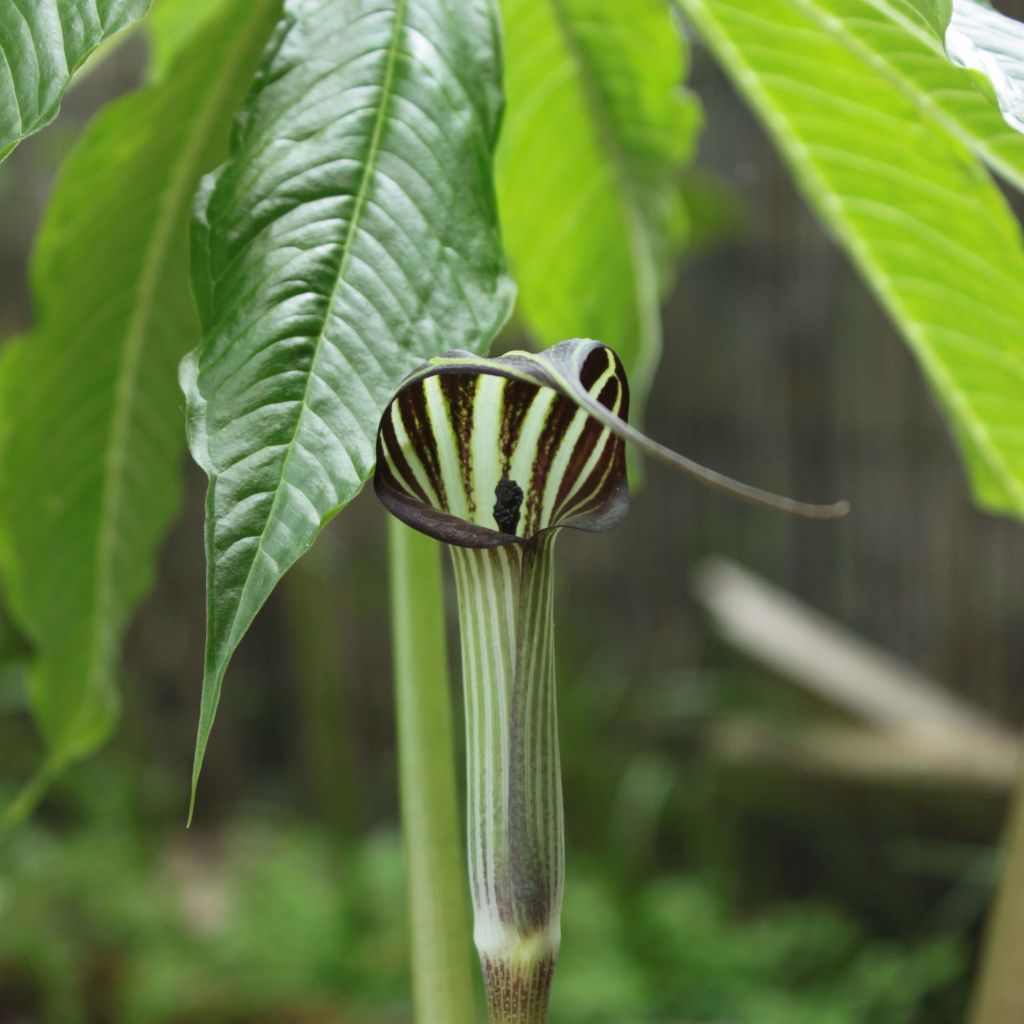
(899, 39)
(92, 424)
(42, 44)
(933, 14)
(170, 25)
(926, 225)
(353, 232)
(596, 132)
(982, 39)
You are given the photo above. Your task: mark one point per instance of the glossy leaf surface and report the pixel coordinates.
(352, 232)
(92, 424)
(42, 44)
(927, 226)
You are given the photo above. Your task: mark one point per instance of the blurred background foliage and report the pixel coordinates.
(703, 886)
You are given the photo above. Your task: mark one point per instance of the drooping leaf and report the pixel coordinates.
(597, 130)
(42, 44)
(901, 39)
(921, 218)
(92, 432)
(352, 233)
(982, 39)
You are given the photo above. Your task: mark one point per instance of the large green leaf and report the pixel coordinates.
(924, 222)
(352, 232)
(902, 40)
(92, 426)
(42, 44)
(596, 132)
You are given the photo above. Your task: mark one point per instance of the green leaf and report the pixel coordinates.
(42, 44)
(926, 225)
(898, 39)
(92, 427)
(934, 14)
(170, 25)
(353, 232)
(985, 41)
(596, 132)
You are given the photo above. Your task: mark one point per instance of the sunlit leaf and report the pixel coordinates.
(169, 26)
(933, 14)
(352, 232)
(42, 44)
(924, 222)
(984, 40)
(596, 132)
(91, 417)
(902, 40)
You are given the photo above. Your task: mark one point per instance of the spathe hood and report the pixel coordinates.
(482, 452)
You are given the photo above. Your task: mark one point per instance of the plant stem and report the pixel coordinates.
(999, 998)
(442, 982)
(515, 819)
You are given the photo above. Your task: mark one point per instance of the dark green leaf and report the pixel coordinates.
(352, 232)
(91, 417)
(42, 44)
(597, 130)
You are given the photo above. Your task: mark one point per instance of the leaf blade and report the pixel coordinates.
(363, 265)
(901, 195)
(42, 44)
(91, 439)
(596, 132)
(900, 37)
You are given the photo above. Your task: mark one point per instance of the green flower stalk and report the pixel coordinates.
(494, 457)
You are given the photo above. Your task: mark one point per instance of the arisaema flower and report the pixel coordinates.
(494, 457)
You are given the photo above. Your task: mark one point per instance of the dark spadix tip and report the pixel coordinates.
(509, 500)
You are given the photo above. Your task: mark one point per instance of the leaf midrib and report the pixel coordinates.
(373, 152)
(157, 253)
